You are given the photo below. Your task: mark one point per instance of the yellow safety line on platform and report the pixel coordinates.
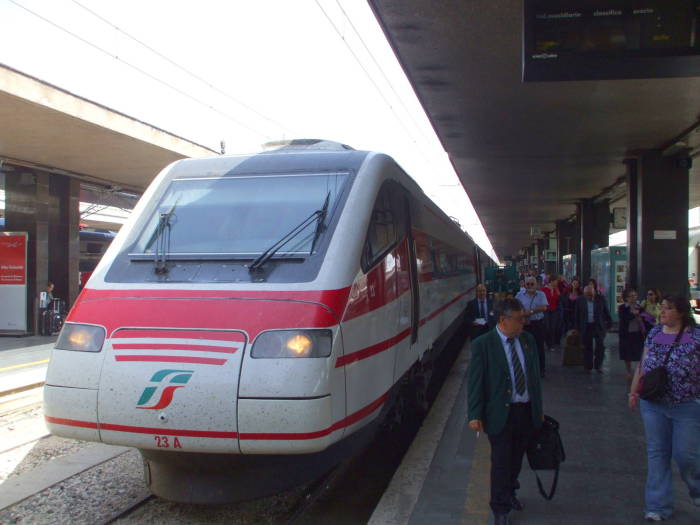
(24, 364)
(476, 506)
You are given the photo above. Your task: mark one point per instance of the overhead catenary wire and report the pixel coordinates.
(184, 69)
(381, 70)
(386, 79)
(374, 83)
(143, 72)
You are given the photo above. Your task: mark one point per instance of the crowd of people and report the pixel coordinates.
(512, 335)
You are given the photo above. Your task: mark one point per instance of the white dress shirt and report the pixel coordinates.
(515, 398)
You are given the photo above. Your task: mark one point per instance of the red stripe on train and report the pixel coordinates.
(372, 350)
(333, 299)
(345, 422)
(71, 422)
(201, 314)
(141, 430)
(444, 307)
(388, 343)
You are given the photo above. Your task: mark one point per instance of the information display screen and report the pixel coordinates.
(609, 39)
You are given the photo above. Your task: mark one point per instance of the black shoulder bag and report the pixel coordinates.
(546, 452)
(655, 382)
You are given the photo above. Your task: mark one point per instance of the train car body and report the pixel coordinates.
(93, 245)
(236, 369)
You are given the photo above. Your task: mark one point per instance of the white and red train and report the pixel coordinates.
(257, 316)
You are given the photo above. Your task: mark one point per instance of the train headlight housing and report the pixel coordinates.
(280, 344)
(81, 338)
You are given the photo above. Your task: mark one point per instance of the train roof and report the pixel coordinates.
(290, 157)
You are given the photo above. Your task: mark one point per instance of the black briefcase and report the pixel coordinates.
(546, 453)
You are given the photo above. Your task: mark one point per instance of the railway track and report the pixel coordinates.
(21, 420)
(137, 503)
(305, 500)
(314, 492)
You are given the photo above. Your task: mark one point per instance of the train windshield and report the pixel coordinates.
(240, 215)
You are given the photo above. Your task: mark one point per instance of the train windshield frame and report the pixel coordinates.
(240, 216)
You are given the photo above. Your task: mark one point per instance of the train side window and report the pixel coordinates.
(382, 234)
(400, 205)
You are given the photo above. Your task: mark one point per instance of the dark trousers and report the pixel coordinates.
(536, 328)
(553, 327)
(507, 450)
(44, 321)
(590, 334)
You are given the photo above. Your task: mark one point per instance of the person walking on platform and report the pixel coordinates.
(631, 330)
(551, 315)
(479, 313)
(672, 422)
(534, 304)
(45, 304)
(652, 305)
(505, 401)
(592, 282)
(569, 304)
(592, 321)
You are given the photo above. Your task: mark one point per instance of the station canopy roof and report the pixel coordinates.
(48, 127)
(526, 152)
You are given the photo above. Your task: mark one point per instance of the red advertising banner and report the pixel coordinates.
(13, 259)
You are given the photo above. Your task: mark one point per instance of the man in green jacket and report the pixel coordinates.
(505, 400)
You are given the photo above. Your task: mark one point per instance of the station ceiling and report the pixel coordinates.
(45, 126)
(525, 152)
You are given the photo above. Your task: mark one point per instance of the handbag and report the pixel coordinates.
(546, 452)
(654, 384)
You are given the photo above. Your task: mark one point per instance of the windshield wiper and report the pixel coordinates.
(162, 242)
(318, 215)
(320, 221)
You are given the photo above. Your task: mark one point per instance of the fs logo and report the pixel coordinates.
(168, 381)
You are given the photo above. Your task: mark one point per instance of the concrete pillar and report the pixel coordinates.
(64, 240)
(541, 244)
(660, 238)
(566, 241)
(632, 222)
(47, 207)
(594, 219)
(550, 243)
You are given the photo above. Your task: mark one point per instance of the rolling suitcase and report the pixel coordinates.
(573, 349)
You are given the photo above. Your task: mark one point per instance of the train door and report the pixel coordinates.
(377, 323)
(413, 273)
(406, 282)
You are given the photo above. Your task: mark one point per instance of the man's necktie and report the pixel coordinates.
(517, 368)
(481, 309)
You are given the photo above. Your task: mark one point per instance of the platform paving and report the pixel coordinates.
(23, 361)
(601, 482)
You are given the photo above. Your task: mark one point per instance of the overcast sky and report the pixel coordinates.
(244, 72)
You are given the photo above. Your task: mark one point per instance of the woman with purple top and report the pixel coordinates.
(672, 423)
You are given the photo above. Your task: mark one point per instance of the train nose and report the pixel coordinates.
(171, 389)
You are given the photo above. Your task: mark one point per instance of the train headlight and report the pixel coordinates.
(277, 344)
(81, 338)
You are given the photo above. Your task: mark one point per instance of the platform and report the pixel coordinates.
(444, 478)
(23, 361)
